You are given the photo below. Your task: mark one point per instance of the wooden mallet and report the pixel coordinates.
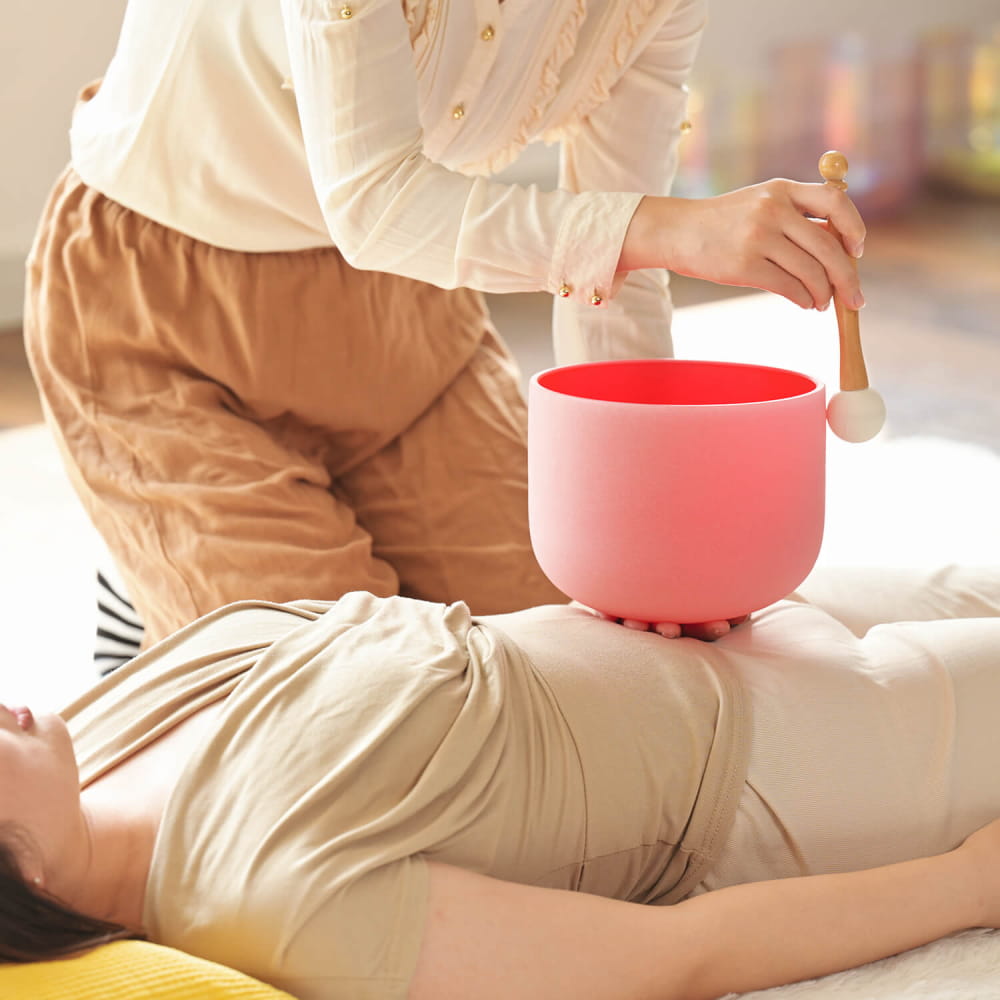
(857, 412)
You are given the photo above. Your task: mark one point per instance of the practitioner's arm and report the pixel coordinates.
(493, 939)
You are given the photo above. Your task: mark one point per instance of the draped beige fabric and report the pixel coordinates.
(360, 739)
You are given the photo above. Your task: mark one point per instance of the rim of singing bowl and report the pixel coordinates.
(640, 382)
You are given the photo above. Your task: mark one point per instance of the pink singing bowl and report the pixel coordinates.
(676, 491)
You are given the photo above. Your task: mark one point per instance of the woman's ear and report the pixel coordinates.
(26, 855)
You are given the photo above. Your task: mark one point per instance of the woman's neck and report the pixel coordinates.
(122, 812)
(120, 841)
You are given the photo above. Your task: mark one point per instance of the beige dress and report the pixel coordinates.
(359, 739)
(547, 747)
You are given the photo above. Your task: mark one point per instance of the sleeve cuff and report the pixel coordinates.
(635, 325)
(588, 247)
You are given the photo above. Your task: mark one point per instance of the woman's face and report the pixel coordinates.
(39, 780)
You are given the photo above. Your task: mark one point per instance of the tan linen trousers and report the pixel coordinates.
(275, 425)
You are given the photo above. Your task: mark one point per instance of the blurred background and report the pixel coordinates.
(909, 91)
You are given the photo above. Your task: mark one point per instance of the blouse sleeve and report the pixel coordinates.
(630, 143)
(390, 208)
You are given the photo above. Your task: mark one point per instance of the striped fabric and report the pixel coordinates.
(119, 627)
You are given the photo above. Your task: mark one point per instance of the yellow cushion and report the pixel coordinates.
(131, 970)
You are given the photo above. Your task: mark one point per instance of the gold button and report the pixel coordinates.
(458, 111)
(686, 127)
(487, 33)
(595, 299)
(346, 13)
(564, 291)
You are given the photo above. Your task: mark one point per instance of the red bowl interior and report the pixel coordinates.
(678, 383)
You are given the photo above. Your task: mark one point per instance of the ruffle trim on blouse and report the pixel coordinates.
(545, 92)
(613, 63)
(425, 12)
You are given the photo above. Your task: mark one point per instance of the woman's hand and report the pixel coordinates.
(706, 631)
(764, 236)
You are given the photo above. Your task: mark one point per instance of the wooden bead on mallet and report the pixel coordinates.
(857, 412)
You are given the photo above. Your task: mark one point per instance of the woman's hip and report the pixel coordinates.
(867, 750)
(114, 297)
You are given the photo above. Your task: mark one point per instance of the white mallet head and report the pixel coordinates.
(856, 415)
(857, 412)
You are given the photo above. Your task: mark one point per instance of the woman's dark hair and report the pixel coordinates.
(34, 926)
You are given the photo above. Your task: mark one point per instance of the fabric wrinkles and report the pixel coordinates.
(619, 51)
(330, 173)
(844, 727)
(246, 458)
(545, 90)
(409, 732)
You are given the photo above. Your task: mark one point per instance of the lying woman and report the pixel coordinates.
(386, 798)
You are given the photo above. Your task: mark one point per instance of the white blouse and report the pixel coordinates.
(272, 125)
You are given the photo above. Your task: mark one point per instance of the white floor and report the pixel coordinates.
(48, 551)
(895, 500)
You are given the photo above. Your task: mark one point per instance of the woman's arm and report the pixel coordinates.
(390, 208)
(629, 142)
(488, 938)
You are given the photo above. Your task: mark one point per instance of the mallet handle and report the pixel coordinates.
(853, 374)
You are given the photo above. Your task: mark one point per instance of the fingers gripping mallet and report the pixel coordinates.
(857, 412)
